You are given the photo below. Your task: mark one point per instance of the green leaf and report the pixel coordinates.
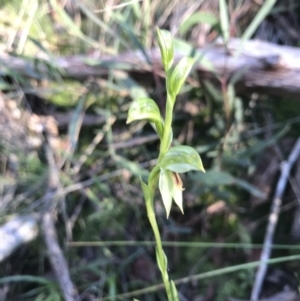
(258, 19)
(159, 131)
(224, 20)
(263, 12)
(165, 43)
(170, 138)
(214, 178)
(24, 278)
(166, 187)
(196, 18)
(146, 191)
(181, 159)
(174, 291)
(146, 109)
(250, 188)
(162, 263)
(73, 28)
(76, 121)
(178, 75)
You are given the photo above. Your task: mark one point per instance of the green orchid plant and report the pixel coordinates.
(172, 160)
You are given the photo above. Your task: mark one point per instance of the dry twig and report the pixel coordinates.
(275, 209)
(55, 253)
(283, 296)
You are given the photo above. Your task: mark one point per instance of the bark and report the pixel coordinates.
(256, 66)
(16, 232)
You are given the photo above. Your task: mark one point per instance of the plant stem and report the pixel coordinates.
(167, 127)
(159, 248)
(153, 178)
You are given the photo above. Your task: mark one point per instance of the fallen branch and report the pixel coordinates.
(259, 66)
(273, 218)
(15, 233)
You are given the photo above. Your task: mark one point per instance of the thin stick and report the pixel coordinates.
(55, 253)
(57, 259)
(285, 295)
(273, 218)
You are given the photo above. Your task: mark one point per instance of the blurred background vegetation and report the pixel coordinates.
(99, 158)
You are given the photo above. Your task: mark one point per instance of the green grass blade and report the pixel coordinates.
(224, 20)
(218, 272)
(72, 28)
(180, 244)
(196, 18)
(260, 16)
(105, 27)
(24, 278)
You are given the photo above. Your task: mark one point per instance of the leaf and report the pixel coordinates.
(214, 178)
(224, 20)
(182, 159)
(196, 18)
(129, 30)
(182, 46)
(146, 109)
(258, 19)
(244, 236)
(250, 188)
(146, 191)
(76, 122)
(72, 27)
(24, 278)
(162, 263)
(178, 75)
(174, 291)
(170, 138)
(133, 167)
(263, 144)
(103, 25)
(165, 42)
(166, 188)
(125, 82)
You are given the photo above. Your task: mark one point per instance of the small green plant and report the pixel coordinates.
(171, 160)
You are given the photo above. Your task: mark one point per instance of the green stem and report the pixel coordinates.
(160, 251)
(153, 178)
(164, 146)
